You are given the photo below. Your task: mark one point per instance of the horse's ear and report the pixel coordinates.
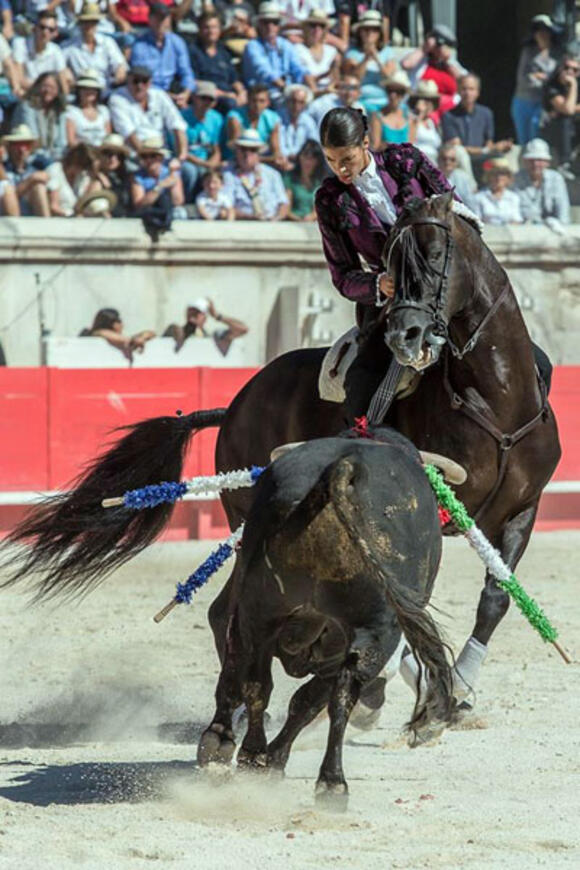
(446, 201)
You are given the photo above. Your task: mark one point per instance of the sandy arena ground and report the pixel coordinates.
(101, 708)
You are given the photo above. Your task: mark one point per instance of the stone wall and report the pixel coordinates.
(58, 272)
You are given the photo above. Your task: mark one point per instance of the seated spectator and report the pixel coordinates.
(7, 26)
(196, 316)
(114, 175)
(109, 16)
(108, 325)
(347, 94)
(29, 181)
(561, 111)
(258, 116)
(434, 61)
(165, 54)
(496, 203)
(204, 131)
(8, 67)
(90, 50)
(44, 111)
(89, 121)
(296, 125)
(256, 190)
(213, 203)
(318, 57)
(303, 181)
(70, 178)
(472, 125)
(132, 18)
(350, 13)
(296, 12)
(8, 199)
(37, 54)
(423, 103)
(157, 177)
(212, 62)
(542, 191)
(537, 62)
(98, 202)
(238, 28)
(392, 124)
(371, 61)
(270, 59)
(463, 183)
(139, 111)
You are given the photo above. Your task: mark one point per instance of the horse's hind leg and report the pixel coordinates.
(305, 705)
(493, 602)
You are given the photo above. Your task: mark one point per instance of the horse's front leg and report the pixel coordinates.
(493, 603)
(256, 688)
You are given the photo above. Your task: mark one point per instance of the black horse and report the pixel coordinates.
(339, 555)
(479, 401)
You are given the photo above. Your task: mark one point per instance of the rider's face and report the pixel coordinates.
(348, 161)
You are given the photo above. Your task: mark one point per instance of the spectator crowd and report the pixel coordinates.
(177, 111)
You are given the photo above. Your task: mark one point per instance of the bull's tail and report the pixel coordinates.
(437, 703)
(69, 542)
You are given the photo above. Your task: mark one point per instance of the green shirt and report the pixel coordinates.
(302, 197)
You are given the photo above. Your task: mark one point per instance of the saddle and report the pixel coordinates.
(337, 362)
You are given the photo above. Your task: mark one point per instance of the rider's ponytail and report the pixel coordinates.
(343, 127)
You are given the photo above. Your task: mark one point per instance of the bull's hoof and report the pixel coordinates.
(363, 718)
(215, 746)
(252, 760)
(331, 796)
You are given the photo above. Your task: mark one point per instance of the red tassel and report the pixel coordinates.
(361, 427)
(444, 515)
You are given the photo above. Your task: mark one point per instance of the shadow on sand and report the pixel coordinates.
(96, 783)
(48, 735)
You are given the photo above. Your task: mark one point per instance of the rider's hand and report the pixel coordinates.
(387, 286)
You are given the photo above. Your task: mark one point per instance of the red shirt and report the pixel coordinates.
(446, 85)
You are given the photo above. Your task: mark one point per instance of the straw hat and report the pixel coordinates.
(318, 16)
(114, 142)
(497, 166)
(291, 89)
(154, 145)
(268, 12)
(426, 90)
(250, 139)
(20, 133)
(89, 78)
(398, 81)
(537, 149)
(90, 12)
(370, 18)
(96, 202)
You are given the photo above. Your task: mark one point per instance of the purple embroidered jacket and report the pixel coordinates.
(351, 229)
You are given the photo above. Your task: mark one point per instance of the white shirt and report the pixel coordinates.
(106, 58)
(93, 132)
(49, 60)
(214, 206)
(68, 195)
(505, 210)
(369, 184)
(4, 49)
(160, 117)
(320, 69)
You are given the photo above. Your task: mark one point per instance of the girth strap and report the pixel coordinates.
(505, 441)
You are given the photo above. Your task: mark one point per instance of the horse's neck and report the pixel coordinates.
(501, 364)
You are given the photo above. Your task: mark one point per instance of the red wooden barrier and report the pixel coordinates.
(565, 400)
(23, 429)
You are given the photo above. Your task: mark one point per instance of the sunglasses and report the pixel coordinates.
(572, 68)
(140, 80)
(206, 98)
(47, 28)
(106, 153)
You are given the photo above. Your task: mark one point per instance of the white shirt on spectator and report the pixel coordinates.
(298, 10)
(372, 188)
(105, 24)
(505, 210)
(49, 60)
(106, 58)
(321, 105)
(68, 195)
(267, 184)
(92, 132)
(160, 117)
(4, 49)
(315, 67)
(214, 206)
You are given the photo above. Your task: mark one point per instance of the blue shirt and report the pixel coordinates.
(263, 62)
(473, 129)
(264, 185)
(268, 120)
(166, 63)
(148, 182)
(292, 138)
(218, 69)
(203, 133)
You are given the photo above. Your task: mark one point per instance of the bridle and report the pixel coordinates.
(413, 260)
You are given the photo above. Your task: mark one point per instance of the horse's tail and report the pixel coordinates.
(70, 542)
(437, 703)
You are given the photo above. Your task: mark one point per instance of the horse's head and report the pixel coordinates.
(419, 257)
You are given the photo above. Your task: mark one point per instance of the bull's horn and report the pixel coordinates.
(453, 472)
(277, 452)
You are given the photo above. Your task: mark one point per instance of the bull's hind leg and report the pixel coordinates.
(305, 705)
(257, 688)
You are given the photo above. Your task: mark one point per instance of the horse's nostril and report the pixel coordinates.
(412, 334)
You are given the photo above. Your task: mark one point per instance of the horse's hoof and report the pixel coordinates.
(215, 747)
(428, 734)
(252, 761)
(332, 796)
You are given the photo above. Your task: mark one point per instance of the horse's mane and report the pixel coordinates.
(416, 204)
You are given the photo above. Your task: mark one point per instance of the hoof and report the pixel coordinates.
(363, 718)
(331, 796)
(252, 761)
(216, 746)
(431, 732)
